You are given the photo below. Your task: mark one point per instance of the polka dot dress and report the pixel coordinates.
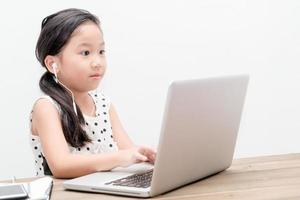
(97, 128)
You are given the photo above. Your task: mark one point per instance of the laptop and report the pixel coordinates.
(198, 136)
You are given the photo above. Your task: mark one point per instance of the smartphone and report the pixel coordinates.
(14, 191)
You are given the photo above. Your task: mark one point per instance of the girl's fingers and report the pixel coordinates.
(147, 152)
(141, 157)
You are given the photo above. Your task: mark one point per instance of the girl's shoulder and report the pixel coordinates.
(48, 99)
(41, 107)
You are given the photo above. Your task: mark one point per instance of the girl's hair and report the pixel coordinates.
(55, 33)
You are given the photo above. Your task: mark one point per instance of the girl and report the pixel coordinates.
(75, 130)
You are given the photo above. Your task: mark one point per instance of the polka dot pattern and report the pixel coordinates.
(98, 128)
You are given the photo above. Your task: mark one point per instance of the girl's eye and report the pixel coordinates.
(102, 52)
(85, 53)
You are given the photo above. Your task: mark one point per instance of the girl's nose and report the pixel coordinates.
(97, 62)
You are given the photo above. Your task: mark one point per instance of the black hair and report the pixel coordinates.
(56, 31)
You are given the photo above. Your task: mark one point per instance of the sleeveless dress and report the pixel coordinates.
(98, 129)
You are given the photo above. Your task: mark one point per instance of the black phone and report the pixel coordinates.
(13, 191)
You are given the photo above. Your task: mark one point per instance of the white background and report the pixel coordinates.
(150, 43)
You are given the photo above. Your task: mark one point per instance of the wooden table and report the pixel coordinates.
(267, 177)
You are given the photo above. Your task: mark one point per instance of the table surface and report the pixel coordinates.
(264, 177)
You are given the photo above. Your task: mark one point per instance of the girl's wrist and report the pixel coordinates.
(120, 157)
(113, 160)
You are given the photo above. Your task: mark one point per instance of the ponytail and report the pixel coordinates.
(72, 124)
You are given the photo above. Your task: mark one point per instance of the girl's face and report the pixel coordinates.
(82, 61)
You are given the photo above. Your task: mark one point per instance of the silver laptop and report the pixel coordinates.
(198, 135)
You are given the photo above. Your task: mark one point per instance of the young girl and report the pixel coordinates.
(75, 130)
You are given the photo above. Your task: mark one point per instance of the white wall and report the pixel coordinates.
(151, 43)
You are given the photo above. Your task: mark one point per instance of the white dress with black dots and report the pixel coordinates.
(97, 128)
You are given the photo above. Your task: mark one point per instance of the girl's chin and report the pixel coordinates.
(95, 86)
(89, 86)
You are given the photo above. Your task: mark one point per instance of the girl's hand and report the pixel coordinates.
(136, 155)
(148, 152)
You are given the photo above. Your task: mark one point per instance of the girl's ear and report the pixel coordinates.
(49, 63)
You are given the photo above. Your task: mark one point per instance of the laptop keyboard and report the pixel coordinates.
(142, 180)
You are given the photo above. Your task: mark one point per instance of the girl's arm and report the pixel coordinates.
(63, 164)
(122, 138)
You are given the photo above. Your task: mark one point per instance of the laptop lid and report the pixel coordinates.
(199, 130)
